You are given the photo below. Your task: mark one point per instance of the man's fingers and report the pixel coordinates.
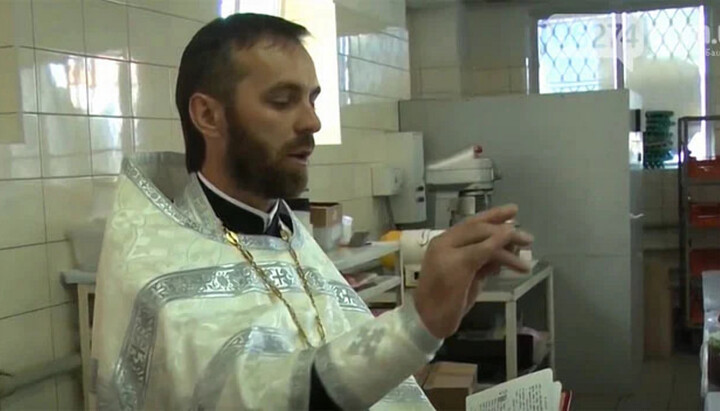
(512, 261)
(521, 238)
(473, 229)
(480, 253)
(465, 233)
(497, 215)
(476, 233)
(494, 248)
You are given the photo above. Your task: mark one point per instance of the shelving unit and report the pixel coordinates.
(351, 259)
(508, 288)
(695, 257)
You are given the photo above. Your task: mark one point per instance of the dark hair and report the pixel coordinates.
(207, 66)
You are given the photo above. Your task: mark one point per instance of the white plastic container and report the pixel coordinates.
(328, 237)
(347, 230)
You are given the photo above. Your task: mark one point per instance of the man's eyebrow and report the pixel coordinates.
(285, 85)
(290, 86)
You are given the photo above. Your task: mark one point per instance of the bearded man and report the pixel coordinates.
(211, 294)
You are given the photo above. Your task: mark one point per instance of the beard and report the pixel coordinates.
(254, 168)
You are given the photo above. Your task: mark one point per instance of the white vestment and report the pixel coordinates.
(182, 321)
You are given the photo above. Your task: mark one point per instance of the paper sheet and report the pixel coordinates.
(534, 392)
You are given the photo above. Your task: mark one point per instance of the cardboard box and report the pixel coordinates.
(449, 383)
(325, 214)
(422, 374)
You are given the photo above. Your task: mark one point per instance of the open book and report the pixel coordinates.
(533, 392)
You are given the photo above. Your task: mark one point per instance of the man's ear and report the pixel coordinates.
(208, 115)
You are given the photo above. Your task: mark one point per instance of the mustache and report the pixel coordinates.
(305, 141)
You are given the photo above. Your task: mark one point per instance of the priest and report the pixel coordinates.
(211, 294)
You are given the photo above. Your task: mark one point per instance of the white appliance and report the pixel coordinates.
(404, 151)
(568, 161)
(459, 186)
(413, 244)
(385, 180)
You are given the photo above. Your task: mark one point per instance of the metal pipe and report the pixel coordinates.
(38, 374)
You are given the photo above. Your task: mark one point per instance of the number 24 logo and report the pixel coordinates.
(623, 34)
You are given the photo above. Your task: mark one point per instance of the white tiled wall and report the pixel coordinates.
(86, 81)
(16, 23)
(435, 51)
(494, 54)
(469, 50)
(106, 29)
(374, 73)
(83, 82)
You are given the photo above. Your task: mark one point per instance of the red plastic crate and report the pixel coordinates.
(704, 260)
(696, 309)
(704, 169)
(705, 214)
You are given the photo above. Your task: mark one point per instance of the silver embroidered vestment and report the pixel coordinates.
(182, 321)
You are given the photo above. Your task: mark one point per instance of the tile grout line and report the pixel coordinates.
(43, 113)
(134, 6)
(129, 54)
(380, 130)
(41, 179)
(47, 307)
(350, 56)
(85, 55)
(87, 93)
(15, 247)
(391, 99)
(41, 139)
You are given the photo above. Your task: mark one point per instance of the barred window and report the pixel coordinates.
(658, 53)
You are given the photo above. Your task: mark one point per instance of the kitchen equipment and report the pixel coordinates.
(460, 186)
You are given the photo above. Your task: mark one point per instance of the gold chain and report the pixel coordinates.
(233, 239)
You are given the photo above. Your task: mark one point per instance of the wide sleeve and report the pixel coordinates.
(360, 367)
(356, 370)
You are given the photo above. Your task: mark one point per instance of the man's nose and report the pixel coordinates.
(308, 121)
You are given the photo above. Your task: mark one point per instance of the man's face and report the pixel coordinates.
(272, 120)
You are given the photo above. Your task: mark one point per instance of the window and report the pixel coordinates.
(570, 60)
(659, 53)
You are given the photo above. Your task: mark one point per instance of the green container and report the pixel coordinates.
(658, 133)
(662, 125)
(658, 113)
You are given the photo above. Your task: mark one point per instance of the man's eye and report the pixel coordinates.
(280, 104)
